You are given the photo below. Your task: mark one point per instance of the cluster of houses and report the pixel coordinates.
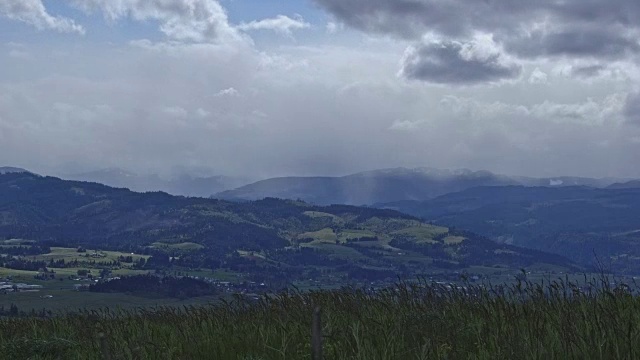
(7, 286)
(96, 255)
(243, 287)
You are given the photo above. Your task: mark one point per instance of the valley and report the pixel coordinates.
(65, 234)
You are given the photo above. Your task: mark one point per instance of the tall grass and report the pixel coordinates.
(413, 320)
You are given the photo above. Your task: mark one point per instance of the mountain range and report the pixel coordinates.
(364, 188)
(281, 238)
(381, 186)
(582, 219)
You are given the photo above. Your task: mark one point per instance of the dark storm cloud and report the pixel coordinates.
(460, 17)
(596, 43)
(574, 29)
(451, 63)
(412, 18)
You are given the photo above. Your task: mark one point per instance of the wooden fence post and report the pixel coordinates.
(104, 347)
(316, 335)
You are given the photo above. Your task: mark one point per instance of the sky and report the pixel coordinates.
(321, 87)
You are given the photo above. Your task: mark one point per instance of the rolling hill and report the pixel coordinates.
(580, 223)
(278, 238)
(389, 185)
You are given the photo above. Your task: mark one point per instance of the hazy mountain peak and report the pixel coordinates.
(180, 184)
(113, 171)
(633, 184)
(369, 187)
(393, 184)
(10, 170)
(428, 171)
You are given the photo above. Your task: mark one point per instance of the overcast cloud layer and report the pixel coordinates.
(321, 87)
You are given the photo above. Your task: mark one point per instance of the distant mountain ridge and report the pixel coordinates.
(578, 222)
(10, 170)
(633, 184)
(389, 185)
(184, 185)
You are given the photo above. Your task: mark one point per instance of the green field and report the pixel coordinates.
(69, 254)
(16, 242)
(347, 234)
(318, 214)
(454, 240)
(324, 235)
(337, 251)
(64, 300)
(423, 233)
(60, 294)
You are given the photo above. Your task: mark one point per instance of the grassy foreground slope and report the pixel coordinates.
(419, 321)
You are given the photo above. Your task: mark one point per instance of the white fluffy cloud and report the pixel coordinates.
(183, 20)
(606, 112)
(34, 13)
(227, 92)
(281, 23)
(538, 77)
(179, 20)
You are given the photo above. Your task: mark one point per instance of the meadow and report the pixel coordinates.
(418, 320)
(92, 260)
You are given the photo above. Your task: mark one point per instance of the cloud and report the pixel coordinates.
(538, 77)
(227, 92)
(526, 31)
(462, 18)
(176, 112)
(588, 113)
(406, 125)
(451, 62)
(20, 55)
(632, 108)
(590, 72)
(587, 71)
(333, 27)
(405, 18)
(202, 113)
(111, 114)
(215, 99)
(180, 20)
(281, 24)
(578, 42)
(34, 13)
